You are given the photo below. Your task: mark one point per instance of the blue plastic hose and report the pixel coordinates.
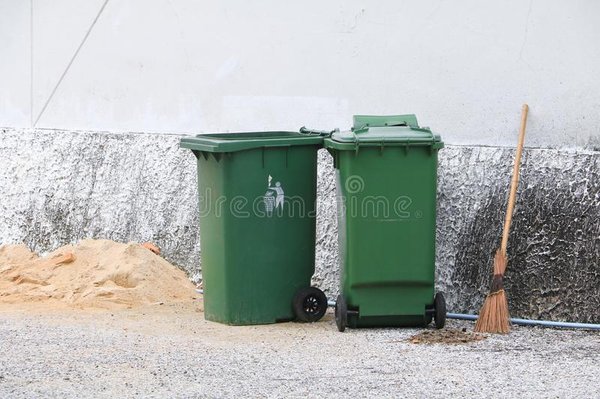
(526, 322)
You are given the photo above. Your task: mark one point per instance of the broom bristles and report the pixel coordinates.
(494, 316)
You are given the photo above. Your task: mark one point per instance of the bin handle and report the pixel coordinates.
(324, 133)
(366, 125)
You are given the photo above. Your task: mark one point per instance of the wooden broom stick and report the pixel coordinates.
(512, 198)
(494, 315)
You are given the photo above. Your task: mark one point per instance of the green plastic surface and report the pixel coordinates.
(384, 136)
(253, 260)
(387, 221)
(362, 121)
(231, 142)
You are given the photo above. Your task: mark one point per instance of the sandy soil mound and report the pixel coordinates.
(93, 273)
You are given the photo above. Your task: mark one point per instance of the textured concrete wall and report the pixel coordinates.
(59, 186)
(554, 247)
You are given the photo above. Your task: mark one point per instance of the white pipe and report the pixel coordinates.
(522, 322)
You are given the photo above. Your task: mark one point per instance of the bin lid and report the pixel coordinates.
(383, 131)
(231, 142)
(362, 121)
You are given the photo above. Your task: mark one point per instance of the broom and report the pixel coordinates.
(494, 316)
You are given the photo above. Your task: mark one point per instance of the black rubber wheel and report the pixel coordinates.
(341, 313)
(310, 304)
(439, 314)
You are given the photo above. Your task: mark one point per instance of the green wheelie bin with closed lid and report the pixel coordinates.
(386, 171)
(257, 193)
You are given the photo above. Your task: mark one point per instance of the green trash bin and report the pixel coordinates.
(257, 193)
(386, 171)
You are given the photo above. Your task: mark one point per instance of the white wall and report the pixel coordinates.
(463, 67)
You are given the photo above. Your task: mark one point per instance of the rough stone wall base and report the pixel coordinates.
(57, 187)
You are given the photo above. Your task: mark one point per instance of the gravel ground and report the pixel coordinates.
(170, 351)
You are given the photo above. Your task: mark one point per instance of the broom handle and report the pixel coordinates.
(515, 180)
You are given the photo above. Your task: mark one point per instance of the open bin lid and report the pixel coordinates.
(383, 131)
(231, 142)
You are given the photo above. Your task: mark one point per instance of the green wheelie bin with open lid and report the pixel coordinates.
(257, 193)
(386, 171)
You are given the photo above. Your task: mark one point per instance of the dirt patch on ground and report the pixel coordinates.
(91, 274)
(446, 336)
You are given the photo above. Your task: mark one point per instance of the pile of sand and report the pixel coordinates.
(93, 273)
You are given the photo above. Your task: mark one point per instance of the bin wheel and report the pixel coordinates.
(310, 304)
(341, 313)
(439, 314)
